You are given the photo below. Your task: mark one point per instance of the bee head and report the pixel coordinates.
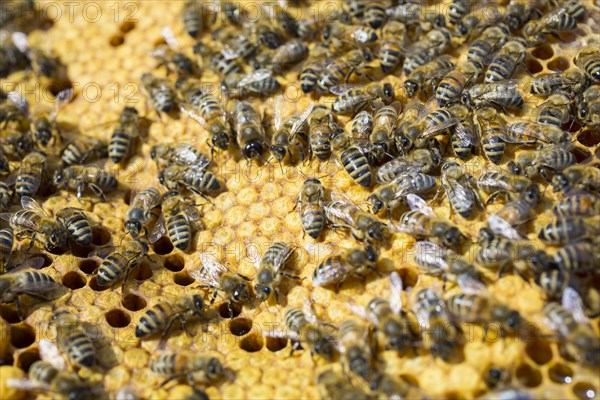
(371, 254)
(133, 227)
(441, 349)
(56, 239)
(161, 177)
(466, 99)
(324, 348)
(221, 140)
(278, 152)
(485, 235)
(43, 135)
(452, 237)
(198, 302)
(4, 285)
(214, 369)
(375, 231)
(411, 87)
(263, 291)
(253, 149)
(376, 203)
(513, 321)
(515, 168)
(559, 182)
(388, 91)
(240, 293)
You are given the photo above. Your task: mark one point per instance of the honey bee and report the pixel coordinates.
(197, 368)
(120, 261)
(82, 150)
(72, 339)
(236, 45)
(518, 14)
(577, 203)
(492, 131)
(260, 82)
(159, 92)
(15, 109)
(430, 122)
(121, 140)
(422, 223)
(451, 87)
(33, 221)
(353, 159)
(343, 212)
(43, 64)
(176, 220)
(353, 10)
(192, 18)
(44, 377)
(375, 14)
(497, 182)
(350, 99)
(458, 9)
(222, 62)
(463, 134)
(570, 82)
(288, 55)
(554, 111)
(267, 34)
(417, 161)
(530, 132)
(358, 347)
(12, 58)
(488, 42)
(7, 239)
(362, 125)
(518, 210)
(6, 195)
(495, 377)
(549, 159)
(392, 45)
(505, 62)
(392, 194)
(426, 49)
(588, 109)
(35, 284)
(577, 257)
(568, 229)
(428, 74)
(434, 317)
(161, 317)
(77, 225)
(270, 270)
(356, 35)
(79, 178)
(480, 308)
(196, 179)
(140, 210)
(181, 154)
(335, 269)
(171, 58)
(561, 19)
(234, 287)
(4, 163)
(312, 199)
(249, 129)
(291, 135)
(502, 94)
(553, 283)
(320, 126)
(588, 60)
(337, 386)
(577, 176)
(30, 175)
(313, 67)
(342, 68)
(208, 111)
(457, 186)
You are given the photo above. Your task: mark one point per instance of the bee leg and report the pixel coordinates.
(98, 191)
(19, 308)
(295, 347)
(493, 197)
(290, 276)
(172, 378)
(230, 308)
(80, 190)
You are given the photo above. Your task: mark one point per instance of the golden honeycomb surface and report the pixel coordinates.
(107, 45)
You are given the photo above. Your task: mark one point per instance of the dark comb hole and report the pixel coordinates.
(543, 52)
(101, 236)
(58, 250)
(252, 343)
(409, 277)
(276, 344)
(163, 246)
(117, 318)
(127, 26)
(571, 126)
(22, 336)
(80, 251)
(73, 280)
(143, 272)
(116, 40)
(580, 154)
(9, 314)
(585, 390)
(559, 64)
(560, 373)
(27, 358)
(6, 359)
(183, 279)
(240, 326)
(95, 287)
(174, 263)
(590, 137)
(133, 302)
(88, 266)
(528, 375)
(127, 197)
(533, 66)
(224, 312)
(540, 352)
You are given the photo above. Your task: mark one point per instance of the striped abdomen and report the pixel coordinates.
(577, 257)
(155, 319)
(493, 145)
(389, 56)
(451, 87)
(312, 218)
(357, 166)
(202, 180)
(28, 180)
(35, 281)
(192, 19)
(320, 143)
(113, 268)
(309, 76)
(7, 239)
(23, 218)
(179, 230)
(120, 144)
(295, 319)
(565, 229)
(78, 226)
(73, 341)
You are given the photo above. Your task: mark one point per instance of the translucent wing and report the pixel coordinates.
(49, 352)
(230, 53)
(192, 114)
(489, 180)
(328, 275)
(429, 253)
(158, 230)
(416, 203)
(191, 213)
(500, 226)
(282, 334)
(102, 252)
(34, 262)
(571, 300)
(396, 288)
(439, 127)
(462, 193)
(362, 123)
(278, 105)
(425, 109)
(340, 206)
(20, 41)
(339, 90)
(281, 258)
(63, 98)
(30, 204)
(255, 76)
(187, 154)
(20, 102)
(464, 135)
(210, 270)
(470, 285)
(170, 38)
(253, 255)
(303, 117)
(27, 385)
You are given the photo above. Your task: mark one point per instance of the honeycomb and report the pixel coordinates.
(106, 46)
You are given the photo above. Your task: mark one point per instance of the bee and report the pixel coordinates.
(176, 220)
(577, 176)
(362, 125)
(45, 377)
(457, 186)
(342, 68)
(422, 222)
(171, 58)
(502, 94)
(530, 133)
(236, 45)
(7, 239)
(234, 287)
(313, 67)
(196, 179)
(351, 99)
(353, 10)
(291, 135)
(451, 87)
(337, 386)
(588, 60)
(192, 18)
(267, 34)
(492, 130)
(335, 269)
(375, 14)
(357, 344)
(15, 109)
(306, 330)
(426, 49)
(6, 195)
(517, 14)
(458, 9)
(77, 225)
(260, 82)
(488, 42)
(72, 340)
(392, 194)
(391, 47)
(140, 210)
(161, 317)
(159, 92)
(553, 283)
(353, 159)
(428, 74)
(497, 182)
(568, 229)
(312, 199)
(551, 158)
(463, 136)
(79, 178)
(577, 203)
(181, 154)
(285, 21)
(35, 284)
(196, 368)
(121, 140)
(82, 150)
(12, 59)
(430, 122)
(223, 62)
(505, 62)
(30, 175)
(417, 161)
(121, 261)
(588, 109)
(210, 113)
(480, 308)
(320, 127)
(34, 222)
(577, 257)
(270, 270)
(288, 55)
(433, 315)
(518, 210)
(570, 82)
(250, 133)
(43, 64)
(343, 212)
(356, 35)
(561, 19)
(568, 320)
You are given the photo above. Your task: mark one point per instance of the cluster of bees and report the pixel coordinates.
(408, 147)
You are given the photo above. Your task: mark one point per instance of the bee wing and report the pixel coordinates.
(158, 230)
(396, 288)
(159, 52)
(490, 181)
(470, 285)
(27, 385)
(30, 204)
(278, 104)
(191, 212)
(430, 105)
(500, 226)
(333, 208)
(465, 134)
(328, 276)
(571, 300)
(49, 352)
(430, 253)
(362, 120)
(439, 127)
(339, 90)
(63, 98)
(192, 114)
(19, 39)
(34, 262)
(102, 252)
(510, 87)
(463, 193)
(281, 258)
(169, 36)
(303, 117)
(210, 270)
(416, 203)
(282, 334)
(20, 102)
(255, 76)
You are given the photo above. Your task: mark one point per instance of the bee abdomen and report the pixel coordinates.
(389, 56)
(357, 166)
(562, 230)
(164, 364)
(80, 230)
(295, 319)
(120, 145)
(493, 147)
(7, 238)
(79, 347)
(27, 182)
(153, 320)
(313, 221)
(179, 231)
(112, 269)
